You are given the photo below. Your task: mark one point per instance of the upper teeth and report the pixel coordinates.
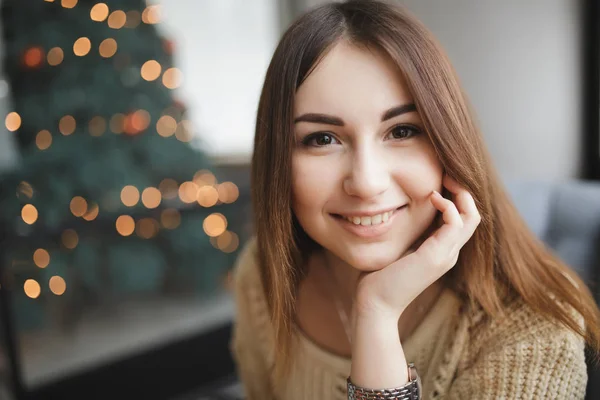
(372, 220)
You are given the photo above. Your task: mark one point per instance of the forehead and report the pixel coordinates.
(352, 81)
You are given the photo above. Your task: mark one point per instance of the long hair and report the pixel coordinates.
(502, 258)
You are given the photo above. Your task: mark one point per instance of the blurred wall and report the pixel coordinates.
(223, 49)
(520, 64)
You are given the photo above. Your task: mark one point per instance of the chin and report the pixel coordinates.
(372, 262)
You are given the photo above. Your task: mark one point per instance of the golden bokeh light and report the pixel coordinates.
(188, 192)
(25, 189)
(215, 224)
(125, 225)
(92, 212)
(29, 214)
(117, 123)
(228, 242)
(41, 258)
(43, 140)
(67, 125)
(117, 19)
(228, 192)
(137, 122)
(170, 218)
(204, 177)
(207, 196)
(97, 126)
(68, 3)
(168, 188)
(32, 288)
(133, 19)
(108, 48)
(82, 46)
(172, 78)
(224, 239)
(151, 197)
(70, 239)
(130, 195)
(34, 56)
(58, 286)
(147, 228)
(99, 12)
(150, 70)
(184, 131)
(151, 15)
(78, 206)
(12, 121)
(55, 56)
(166, 126)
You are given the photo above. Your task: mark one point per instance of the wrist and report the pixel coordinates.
(376, 315)
(377, 356)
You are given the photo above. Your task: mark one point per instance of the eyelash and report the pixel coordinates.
(310, 138)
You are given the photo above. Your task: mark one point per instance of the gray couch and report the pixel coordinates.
(566, 216)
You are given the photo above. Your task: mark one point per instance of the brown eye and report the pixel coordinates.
(319, 140)
(404, 132)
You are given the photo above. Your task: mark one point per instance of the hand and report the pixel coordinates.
(390, 290)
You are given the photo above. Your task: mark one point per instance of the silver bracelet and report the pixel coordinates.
(410, 391)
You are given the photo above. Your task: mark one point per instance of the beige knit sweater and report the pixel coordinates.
(459, 354)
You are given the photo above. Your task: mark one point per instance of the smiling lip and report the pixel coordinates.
(368, 231)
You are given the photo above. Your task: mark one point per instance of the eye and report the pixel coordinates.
(404, 132)
(319, 140)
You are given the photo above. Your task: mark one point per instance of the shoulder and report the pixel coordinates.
(248, 289)
(245, 271)
(250, 298)
(521, 327)
(519, 354)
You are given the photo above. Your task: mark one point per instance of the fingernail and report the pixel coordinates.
(436, 193)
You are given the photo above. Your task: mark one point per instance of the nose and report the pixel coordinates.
(368, 174)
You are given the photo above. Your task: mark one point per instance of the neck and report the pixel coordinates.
(346, 276)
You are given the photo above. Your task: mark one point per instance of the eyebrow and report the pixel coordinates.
(333, 120)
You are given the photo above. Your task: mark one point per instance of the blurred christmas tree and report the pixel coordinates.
(110, 200)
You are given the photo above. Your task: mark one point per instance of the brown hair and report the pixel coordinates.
(503, 256)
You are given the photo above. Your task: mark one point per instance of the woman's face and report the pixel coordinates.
(363, 168)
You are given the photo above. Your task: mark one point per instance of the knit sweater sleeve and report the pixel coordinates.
(529, 359)
(247, 344)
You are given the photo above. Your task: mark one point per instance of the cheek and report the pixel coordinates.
(311, 183)
(419, 175)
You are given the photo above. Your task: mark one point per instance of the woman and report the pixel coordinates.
(359, 265)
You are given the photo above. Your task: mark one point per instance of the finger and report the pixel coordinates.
(445, 240)
(449, 211)
(452, 235)
(464, 201)
(433, 258)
